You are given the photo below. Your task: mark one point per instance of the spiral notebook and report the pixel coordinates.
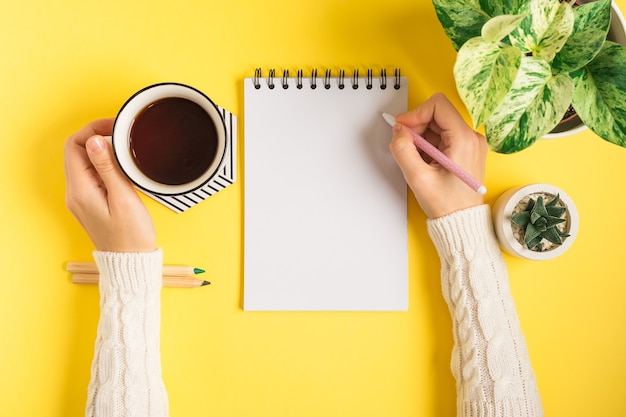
(325, 220)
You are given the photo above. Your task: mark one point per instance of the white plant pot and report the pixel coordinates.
(503, 209)
(617, 33)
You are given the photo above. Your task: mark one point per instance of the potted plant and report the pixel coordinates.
(522, 63)
(536, 221)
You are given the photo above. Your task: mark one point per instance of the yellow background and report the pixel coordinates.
(65, 63)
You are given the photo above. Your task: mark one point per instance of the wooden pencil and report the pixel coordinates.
(168, 270)
(168, 281)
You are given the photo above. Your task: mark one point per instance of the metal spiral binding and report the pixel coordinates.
(369, 79)
(327, 79)
(355, 79)
(257, 78)
(299, 82)
(342, 76)
(397, 76)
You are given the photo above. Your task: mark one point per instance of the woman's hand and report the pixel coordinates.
(438, 191)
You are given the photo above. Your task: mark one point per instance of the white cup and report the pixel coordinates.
(134, 106)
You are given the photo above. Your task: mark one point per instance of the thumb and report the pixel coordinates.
(101, 157)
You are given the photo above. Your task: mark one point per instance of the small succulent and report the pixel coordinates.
(539, 221)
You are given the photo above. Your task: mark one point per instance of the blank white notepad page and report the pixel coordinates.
(325, 220)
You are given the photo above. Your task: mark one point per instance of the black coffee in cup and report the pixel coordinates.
(173, 141)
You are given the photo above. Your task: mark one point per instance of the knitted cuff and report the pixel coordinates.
(130, 272)
(464, 231)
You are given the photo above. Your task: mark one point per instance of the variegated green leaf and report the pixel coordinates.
(460, 19)
(591, 25)
(500, 26)
(539, 13)
(495, 8)
(600, 93)
(484, 73)
(557, 33)
(545, 29)
(534, 106)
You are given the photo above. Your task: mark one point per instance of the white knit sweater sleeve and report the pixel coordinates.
(489, 360)
(126, 378)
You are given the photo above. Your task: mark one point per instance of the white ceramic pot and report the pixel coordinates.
(617, 33)
(503, 209)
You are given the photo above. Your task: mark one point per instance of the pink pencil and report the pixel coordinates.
(441, 158)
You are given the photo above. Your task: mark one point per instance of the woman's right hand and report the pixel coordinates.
(438, 191)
